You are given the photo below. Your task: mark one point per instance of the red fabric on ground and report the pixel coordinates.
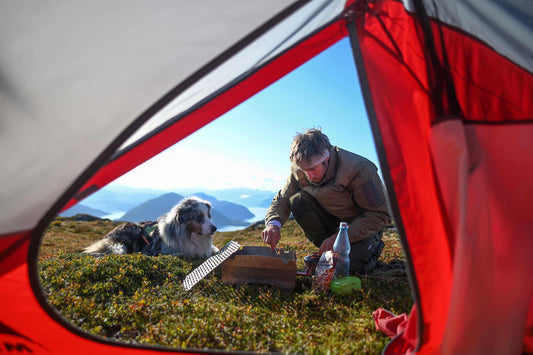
(401, 328)
(389, 323)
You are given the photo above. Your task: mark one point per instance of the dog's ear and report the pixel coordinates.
(208, 209)
(182, 214)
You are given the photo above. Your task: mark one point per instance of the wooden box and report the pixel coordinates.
(260, 265)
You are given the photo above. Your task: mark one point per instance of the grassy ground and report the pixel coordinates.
(139, 299)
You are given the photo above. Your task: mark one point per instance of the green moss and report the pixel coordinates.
(140, 299)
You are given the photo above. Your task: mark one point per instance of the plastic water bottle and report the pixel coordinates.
(342, 250)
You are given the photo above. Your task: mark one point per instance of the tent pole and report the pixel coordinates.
(351, 24)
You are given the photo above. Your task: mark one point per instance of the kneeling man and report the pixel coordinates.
(328, 185)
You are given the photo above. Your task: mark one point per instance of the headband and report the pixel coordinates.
(315, 160)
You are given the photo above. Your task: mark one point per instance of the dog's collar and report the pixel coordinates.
(147, 233)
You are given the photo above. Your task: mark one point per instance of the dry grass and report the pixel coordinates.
(137, 299)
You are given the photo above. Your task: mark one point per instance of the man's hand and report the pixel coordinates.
(271, 235)
(327, 244)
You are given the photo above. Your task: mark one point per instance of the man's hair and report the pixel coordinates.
(308, 144)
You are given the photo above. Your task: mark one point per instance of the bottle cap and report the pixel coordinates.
(344, 225)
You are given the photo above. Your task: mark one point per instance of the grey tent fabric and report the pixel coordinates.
(74, 75)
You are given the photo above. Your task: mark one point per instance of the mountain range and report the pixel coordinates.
(229, 208)
(223, 213)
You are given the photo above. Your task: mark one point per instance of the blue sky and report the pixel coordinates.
(249, 146)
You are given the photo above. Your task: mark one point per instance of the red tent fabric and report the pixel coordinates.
(448, 90)
(455, 117)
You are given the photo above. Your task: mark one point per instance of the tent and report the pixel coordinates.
(89, 90)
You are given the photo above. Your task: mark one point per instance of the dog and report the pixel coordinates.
(186, 231)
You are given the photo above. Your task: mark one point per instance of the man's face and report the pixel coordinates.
(316, 170)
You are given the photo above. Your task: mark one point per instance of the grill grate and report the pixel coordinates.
(210, 264)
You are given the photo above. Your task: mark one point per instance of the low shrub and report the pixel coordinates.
(140, 299)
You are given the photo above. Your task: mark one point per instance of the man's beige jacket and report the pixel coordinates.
(351, 190)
